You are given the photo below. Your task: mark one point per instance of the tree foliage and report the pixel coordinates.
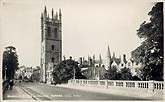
(10, 62)
(111, 73)
(122, 74)
(150, 52)
(125, 74)
(65, 71)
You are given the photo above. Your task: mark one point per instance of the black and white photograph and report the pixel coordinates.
(82, 50)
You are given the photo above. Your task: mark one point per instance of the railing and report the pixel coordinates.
(142, 85)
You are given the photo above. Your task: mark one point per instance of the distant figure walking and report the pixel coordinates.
(11, 84)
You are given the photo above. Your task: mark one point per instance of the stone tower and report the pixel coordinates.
(51, 40)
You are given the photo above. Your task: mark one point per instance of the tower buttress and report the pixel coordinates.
(52, 13)
(60, 15)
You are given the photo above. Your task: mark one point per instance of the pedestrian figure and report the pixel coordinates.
(11, 84)
(7, 86)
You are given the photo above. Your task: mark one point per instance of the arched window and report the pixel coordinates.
(49, 31)
(55, 32)
(53, 60)
(52, 47)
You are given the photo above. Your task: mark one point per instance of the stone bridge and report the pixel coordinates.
(144, 89)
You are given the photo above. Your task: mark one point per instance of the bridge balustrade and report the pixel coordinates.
(127, 87)
(147, 85)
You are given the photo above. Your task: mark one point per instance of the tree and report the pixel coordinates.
(114, 74)
(125, 74)
(10, 62)
(65, 71)
(111, 72)
(150, 52)
(136, 78)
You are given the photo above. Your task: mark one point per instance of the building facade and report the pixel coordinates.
(122, 62)
(36, 74)
(92, 68)
(51, 40)
(49, 75)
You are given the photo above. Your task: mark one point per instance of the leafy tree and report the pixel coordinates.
(117, 76)
(136, 78)
(65, 70)
(150, 52)
(125, 74)
(111, 73)
(10, 62)
(114, 74)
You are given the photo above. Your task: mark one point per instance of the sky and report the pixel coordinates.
(88, 26)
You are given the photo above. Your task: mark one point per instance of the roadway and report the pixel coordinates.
(38, 91)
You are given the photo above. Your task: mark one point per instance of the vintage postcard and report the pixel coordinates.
(82, 50)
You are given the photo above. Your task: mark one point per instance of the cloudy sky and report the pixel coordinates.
(88, 27)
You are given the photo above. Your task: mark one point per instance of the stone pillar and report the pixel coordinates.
(151, 85)
(106, 84)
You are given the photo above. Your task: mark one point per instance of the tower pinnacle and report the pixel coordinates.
(52, 13)
(109, 57)
(56, 16)
(60, 15)
(100, 60)
(45, 11)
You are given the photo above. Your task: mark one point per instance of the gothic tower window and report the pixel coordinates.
(53, 60)
(52, 47)
(55, 32)
(49, 31)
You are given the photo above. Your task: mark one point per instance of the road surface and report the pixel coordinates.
(38, 91)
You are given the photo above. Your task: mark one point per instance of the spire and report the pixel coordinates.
(52, 13)
(41, 19)
(109, 53)
(60, 15)
(109, 58)
(41, 16)
(45, 11)
(94, 59)
(100, 60)
(56, 17)
(124, 58)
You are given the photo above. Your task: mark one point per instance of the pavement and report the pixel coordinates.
(38, 91)
(113, 91)
(16, 94)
